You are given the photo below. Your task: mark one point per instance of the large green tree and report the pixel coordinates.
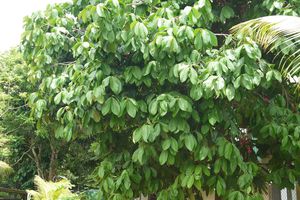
(175, 105)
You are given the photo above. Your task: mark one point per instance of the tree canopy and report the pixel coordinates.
(175, 105)
(28, 148)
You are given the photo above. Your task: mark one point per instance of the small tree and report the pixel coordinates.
(30, 150)
(175, 111)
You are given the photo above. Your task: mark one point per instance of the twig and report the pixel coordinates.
(65, 63)
(26, 152)
(15, 128)
(222, 34)
(2, 114)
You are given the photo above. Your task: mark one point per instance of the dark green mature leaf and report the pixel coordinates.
(190, 142)
(226, 13)
(115, 107)
(196, 92)
(184, 105)
(230, 92)
(163, 157)
(131, 107)
(244, 180)
(115, 85)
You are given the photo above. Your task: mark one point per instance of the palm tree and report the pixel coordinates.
(276, 33)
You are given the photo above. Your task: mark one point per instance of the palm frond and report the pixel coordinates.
(51, 190)
(275, 32)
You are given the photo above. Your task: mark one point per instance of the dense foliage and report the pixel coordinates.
(16, 126)
(175, 106)
(28, 149)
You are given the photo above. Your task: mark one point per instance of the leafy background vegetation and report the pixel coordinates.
(149, 97)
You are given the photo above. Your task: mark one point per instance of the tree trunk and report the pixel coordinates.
(22, 193)
(276, 195)
(218, 198)
(37, 160)
(152, 197)
(210, 196)
(191, 194)
(53, 163)
(298, 191)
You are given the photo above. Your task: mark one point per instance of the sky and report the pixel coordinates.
(11, 19)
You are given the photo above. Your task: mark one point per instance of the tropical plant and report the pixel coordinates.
(276, 33)
(175, 107)
(52, 190)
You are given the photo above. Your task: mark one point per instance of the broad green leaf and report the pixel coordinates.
(203, 153)
(57, 98)
(247, 81)
(131, 107)
(166, 144)
(198, 42)
(196, 92)
(115, 85)
(193, 75)
(59, 132)
(244, 180)
(153, 107)
(140, 30)
(137, 135)
(205, 36)
(96, 115)
(213, 117)
(228, 151)
(146, 131)
(184, 74)
(100, 10)
(115, 107)
(190, 181)
(227, 12)
(163, 157)
(219, 83)
(190, 142)
(220, 186)
(217, 166)
(174, 145)
(184, 105)
(106, 106)
(213, 39)
(230, 92)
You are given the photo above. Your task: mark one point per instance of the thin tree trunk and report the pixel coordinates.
(218, 198)
(191, 195)
(53, 163)
(298, 191)
(276, 195)
(210, 196)
(37, 161)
